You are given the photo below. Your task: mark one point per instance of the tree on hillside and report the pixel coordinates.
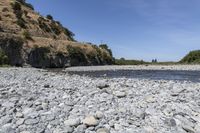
(49, 17)
(105, 46)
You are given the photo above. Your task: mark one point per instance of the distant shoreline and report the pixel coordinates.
(134, 67)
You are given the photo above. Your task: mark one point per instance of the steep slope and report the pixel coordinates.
(192, 58)
(28, 38)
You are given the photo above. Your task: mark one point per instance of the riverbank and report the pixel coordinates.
(38, 101)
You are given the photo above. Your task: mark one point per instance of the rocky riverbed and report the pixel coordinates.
(39, 101)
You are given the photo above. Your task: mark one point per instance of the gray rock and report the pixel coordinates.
(117, 127)
(20, 121)
(68, 129)
(7, 128)
(8, 104)
(90, 121)
(99, 115)
(31, 121)
(102, 85)
(103, 130)
(81, 129)
(44, 105)
(72, 122)
(120, 94)
(25, 132)
(19, 115)
(148, 129)
(188, 128)
(38, 108)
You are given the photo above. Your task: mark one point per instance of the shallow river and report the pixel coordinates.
(193, 76)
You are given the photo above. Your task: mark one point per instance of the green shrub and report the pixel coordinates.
(123, 61)
(49, 17)
(29, 6)
(18, 12)
(21, 23)
(55, 28)
(69, 34)
(192, 57)
(77, 55)
(25, 4)
(43, 25)
(105, 46)
(16, 6)
(27, 35)
(3, 58)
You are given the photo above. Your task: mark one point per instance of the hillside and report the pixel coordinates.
(192, 58)
(27, 38)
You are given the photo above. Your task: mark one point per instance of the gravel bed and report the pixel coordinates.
(39, 101)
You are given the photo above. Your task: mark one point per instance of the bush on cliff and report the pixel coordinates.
(26, 35)
(77, 56)
(43, 25)
(3, 58)
(26, 4)
(18, 12)
(105, 46)
(49, 17)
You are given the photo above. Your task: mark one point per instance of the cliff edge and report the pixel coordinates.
(27, 38)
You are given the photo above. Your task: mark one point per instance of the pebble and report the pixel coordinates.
(149, 129)
(90, 121)
(72, 122)
(20, 121)
(102, 85)
(19, 115)
(120, 94)
(31, 121)
(99, 115)
(103, 130)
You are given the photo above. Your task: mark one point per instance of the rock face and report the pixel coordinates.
(30, 39)
(41, 57)
(13, 49)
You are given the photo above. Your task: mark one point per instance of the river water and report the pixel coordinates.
(181, 75)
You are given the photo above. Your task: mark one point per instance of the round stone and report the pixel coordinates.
(90, 121)
(72, 122)
(103, 130)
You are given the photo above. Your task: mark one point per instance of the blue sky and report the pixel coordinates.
(134, 29)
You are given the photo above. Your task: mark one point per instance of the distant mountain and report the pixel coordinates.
(27, 38)
(192, 58)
